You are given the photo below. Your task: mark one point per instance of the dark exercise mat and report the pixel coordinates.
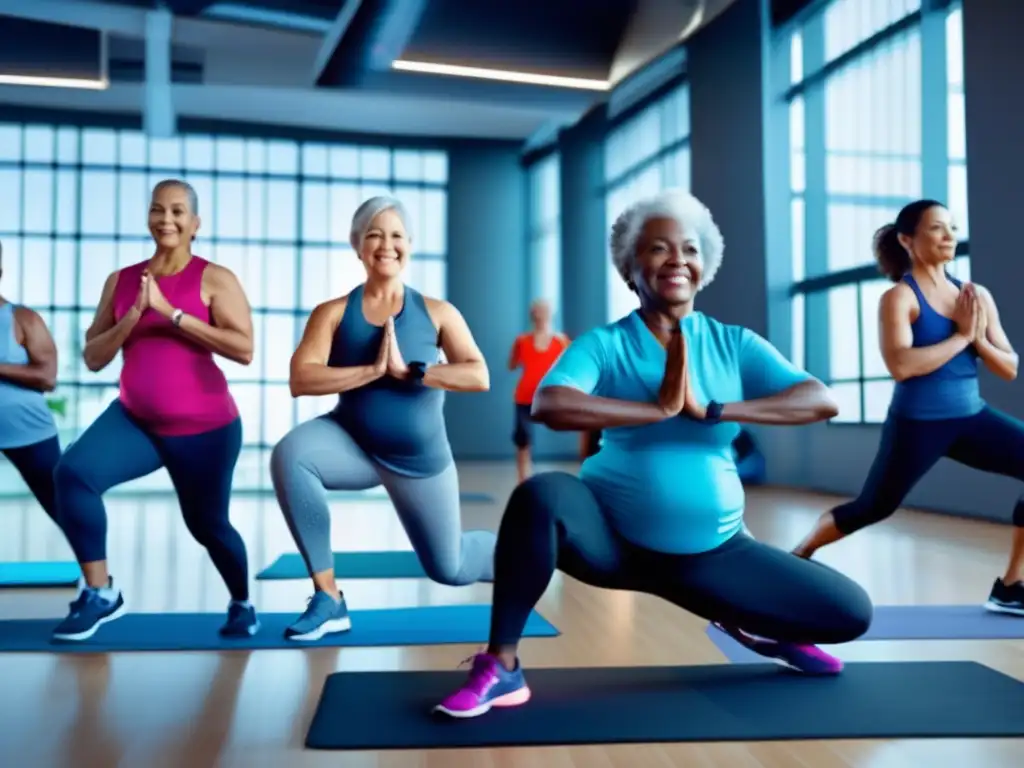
(32, 575)
(350, 565)
(426, 625)
(885, 700)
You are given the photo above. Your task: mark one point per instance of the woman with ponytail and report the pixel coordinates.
(934, 330)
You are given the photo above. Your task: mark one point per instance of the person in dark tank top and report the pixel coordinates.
(934, 331)
(379, 348)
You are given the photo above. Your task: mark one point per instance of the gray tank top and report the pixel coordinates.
(398, 423)
(25, 418)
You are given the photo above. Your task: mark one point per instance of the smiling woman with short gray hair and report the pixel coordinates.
(659, 509)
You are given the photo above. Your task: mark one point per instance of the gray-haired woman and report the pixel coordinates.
(379, 348)
(659, 509)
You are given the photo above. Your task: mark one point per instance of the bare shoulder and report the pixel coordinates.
(898, 295)
(441, 312)
(28, 318)
(217, 276)
(329, 312)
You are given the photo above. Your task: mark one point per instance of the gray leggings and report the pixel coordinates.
(319, 455)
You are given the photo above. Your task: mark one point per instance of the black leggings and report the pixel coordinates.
(116, 449)
(553, 521)
(35, 463)
(990, 441)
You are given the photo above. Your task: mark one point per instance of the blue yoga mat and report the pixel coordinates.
(39, 574)
(350, 565)
(428, 625)
(909, 622)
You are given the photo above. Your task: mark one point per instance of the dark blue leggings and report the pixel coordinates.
(554, 522)
(116, 449)
(35, 463)
(990, 441)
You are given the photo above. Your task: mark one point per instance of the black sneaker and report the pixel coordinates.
(1006, 598)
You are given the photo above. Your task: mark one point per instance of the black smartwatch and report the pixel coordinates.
(713, 413)
(417, 371)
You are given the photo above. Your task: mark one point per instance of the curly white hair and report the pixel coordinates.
(371, 209)
(691, 214)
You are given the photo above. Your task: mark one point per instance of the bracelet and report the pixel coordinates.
(176, 316)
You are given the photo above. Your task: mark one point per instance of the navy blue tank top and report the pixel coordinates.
(950, 391)
(399, 424)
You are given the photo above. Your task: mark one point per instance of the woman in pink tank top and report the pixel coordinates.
(169, 316)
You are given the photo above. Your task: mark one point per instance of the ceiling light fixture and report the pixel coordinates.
(55, 82)
(481, 73)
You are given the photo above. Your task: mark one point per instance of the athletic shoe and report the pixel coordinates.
(323, 616)
(489, 685)
(803, 658)
(1006, 598)
(241, 622)
(94, 607)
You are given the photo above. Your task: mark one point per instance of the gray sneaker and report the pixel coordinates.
(323, 616)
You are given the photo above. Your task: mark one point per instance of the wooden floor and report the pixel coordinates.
(199, 710)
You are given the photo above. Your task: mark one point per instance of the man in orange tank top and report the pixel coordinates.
(535, 353)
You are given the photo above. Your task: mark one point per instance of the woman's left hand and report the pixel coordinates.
(981, 325)
(157, 301)
(691, 407)
(396, 363)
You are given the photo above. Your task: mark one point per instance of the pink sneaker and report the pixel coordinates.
(489, 685)
(803, 658)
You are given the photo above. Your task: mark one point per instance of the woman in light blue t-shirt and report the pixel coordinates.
(659, 508)
(28, 368)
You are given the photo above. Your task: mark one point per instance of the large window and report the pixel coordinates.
(647, 153)
(73, 205)
(545, 266)
(876, 120)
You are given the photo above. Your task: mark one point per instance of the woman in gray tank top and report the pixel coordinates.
(379, 349)
(28, 368)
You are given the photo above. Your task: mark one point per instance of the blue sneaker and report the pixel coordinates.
(489, 685)
(323, 616)
(93, 608)
(242, 621)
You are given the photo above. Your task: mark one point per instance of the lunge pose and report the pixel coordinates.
(534, 352)
(659, 509)
(28, 368)
(379, 348)
(168, 316)
(934, 330)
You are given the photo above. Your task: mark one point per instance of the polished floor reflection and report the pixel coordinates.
(200, 710)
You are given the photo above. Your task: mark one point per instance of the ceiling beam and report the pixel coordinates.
(333, 37)
(393, 32)
(116, 19)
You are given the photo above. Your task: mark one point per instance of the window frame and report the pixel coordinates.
(806, 78)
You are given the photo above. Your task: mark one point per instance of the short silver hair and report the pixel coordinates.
(371, 209)
(691, 215)
(193, 198)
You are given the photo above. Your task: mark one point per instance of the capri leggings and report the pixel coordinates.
(990, 441)
(35, 463)
(320, 455)
(116, 449)
(554, 522)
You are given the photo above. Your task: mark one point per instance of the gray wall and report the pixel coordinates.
(729, 65)
(487, 282)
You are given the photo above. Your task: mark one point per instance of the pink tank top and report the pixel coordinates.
(168, 382)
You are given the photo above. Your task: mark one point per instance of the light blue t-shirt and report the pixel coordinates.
(671, 486)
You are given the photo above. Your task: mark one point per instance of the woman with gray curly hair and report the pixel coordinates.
(659, 509)
(378, 348)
